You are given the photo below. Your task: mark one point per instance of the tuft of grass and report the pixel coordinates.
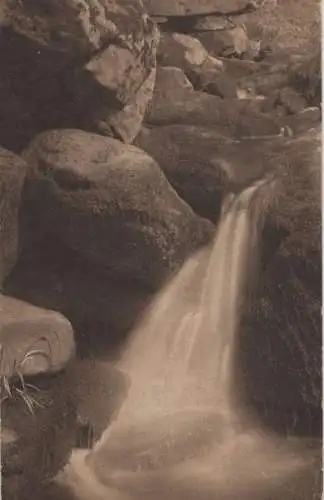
(13, 387)
(291, 24)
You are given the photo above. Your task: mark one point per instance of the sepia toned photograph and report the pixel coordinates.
(161, 250)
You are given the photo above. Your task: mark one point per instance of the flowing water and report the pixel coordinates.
(181, 432)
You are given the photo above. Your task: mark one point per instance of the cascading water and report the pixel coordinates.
(180, 425)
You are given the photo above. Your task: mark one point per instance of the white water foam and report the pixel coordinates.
(178, 434)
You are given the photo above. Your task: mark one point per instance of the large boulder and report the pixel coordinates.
(171, 79)
(280, 341)
(203, 166)
(12, 175)
(230, 42)
(232, 118)
(126, 124)
(37, 348)
(34, 341)
(188, 54)
(172, 8)
(102, 308)
(112, 204)
(222, 85)
(74, 62)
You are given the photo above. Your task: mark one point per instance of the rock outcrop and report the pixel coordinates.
(87, 60)
(12, 174)
(283, 326)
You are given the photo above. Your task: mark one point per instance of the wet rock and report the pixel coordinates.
(12, 175)
(41, 441)
(203, 166)
(100, 390)
(228, 117)
(169, 8)
(112, 204)
(86, 59)
(280, 345)
(188, 54)
(37, 407)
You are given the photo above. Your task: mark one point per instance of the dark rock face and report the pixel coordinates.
(222, 85)
(12, 175)
(34, 447)
(112, 204)
(102, 308)
(86, 59)
(306, 77)
(38, 417)
(100, 389)
(280, 346)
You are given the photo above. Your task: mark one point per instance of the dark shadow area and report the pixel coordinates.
(279, 349)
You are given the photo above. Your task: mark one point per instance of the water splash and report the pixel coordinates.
(180, 425)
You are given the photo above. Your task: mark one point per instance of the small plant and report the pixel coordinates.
(13, 386)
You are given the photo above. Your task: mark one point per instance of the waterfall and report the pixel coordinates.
(179, 420)
(180, 355)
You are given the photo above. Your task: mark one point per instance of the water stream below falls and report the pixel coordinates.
(181, 433)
